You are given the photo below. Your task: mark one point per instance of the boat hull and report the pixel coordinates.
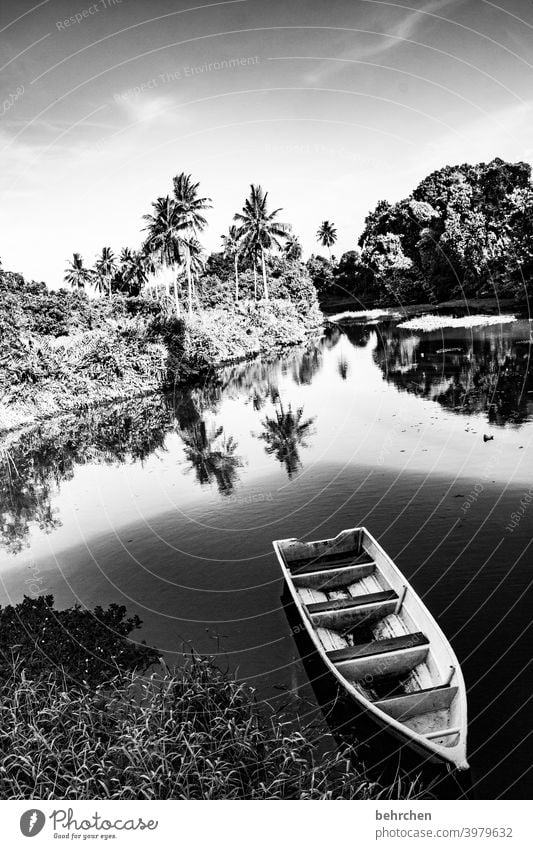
(352, 671)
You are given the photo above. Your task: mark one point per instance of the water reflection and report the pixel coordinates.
(482, 372)
(212, 456)
(342, 367)
(33, 465)
(284, 433)
(485, 371)
(257, 382)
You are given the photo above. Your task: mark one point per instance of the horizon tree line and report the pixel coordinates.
(172, 244)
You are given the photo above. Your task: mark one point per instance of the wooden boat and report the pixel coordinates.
(379, 640)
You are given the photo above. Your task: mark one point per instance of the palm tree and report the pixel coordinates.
(327, 235)
(134, 269)
(197, 260)
(283, 434)
(106, 268)
(259, 229)
(231, 246)
(163, 241)
(189, 208)
(293, 248)
(77, 275)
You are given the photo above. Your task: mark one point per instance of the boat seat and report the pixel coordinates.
(402, 706)
(407, 641)
(329, 561)
(332, 578)
(355, 601)
(395, 696)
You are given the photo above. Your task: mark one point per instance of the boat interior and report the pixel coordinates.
(360, 611)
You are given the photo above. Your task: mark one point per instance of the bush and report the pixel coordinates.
(85, 646)
(321, 271)
(214, 291)
(290, 279)
(61, 351)
(34, 309)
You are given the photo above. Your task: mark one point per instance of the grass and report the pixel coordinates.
(192, 734)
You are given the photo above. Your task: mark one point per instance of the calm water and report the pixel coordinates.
(170, 506)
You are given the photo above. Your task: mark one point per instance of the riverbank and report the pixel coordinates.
(134, 729)
(335, 307)
(136, 350)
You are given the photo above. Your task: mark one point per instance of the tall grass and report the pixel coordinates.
(192, 734)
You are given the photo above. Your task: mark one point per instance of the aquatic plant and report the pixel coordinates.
(193, 734)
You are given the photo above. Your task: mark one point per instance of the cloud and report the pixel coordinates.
(148, 109)
(377, 36)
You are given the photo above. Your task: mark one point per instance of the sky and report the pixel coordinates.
(330, 105)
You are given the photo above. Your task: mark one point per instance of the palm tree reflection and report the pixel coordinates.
(284, 433)
(342, 367)
(212, 456)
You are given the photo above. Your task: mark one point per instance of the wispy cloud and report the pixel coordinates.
(150, 109)
(379, 35)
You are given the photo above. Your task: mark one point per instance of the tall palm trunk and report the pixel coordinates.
(236, 278)
(176, 299)
(189, 281)
(255, 281)
(265, 283)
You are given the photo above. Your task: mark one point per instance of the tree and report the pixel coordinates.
(231, 245)
(320, 269)
(163, 240)
(293, 248)
(327, 235)
(459, 234)
(259, 229)
(106, 267)
(196, 260)
(189, 210)
(135, 266)
(77, 275)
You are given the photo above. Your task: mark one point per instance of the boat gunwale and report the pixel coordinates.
(455, 755)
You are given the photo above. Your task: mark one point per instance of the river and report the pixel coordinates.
(169, 506)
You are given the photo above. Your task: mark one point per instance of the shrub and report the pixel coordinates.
(85, 646)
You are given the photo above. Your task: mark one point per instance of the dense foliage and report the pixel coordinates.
(60, 350)
(465, 231)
